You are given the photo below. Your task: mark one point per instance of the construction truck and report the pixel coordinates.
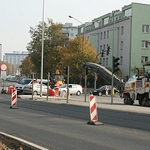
(57, 76)
(137, 88)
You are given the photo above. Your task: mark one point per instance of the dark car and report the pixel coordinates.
(104, 90)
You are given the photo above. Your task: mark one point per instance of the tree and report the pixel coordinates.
(53, 40)
(74, 55)
(27, 66)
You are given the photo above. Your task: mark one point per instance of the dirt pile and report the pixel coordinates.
(4, 147)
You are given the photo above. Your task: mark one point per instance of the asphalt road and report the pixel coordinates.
(62, 126)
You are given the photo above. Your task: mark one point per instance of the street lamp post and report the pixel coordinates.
(112, 84)
(95, 74)
(42, 50)
(83, 41)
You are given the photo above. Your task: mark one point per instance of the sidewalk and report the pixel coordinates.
(102, 102)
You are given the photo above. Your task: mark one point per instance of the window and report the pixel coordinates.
(100, 48)
(145, 28)
(128, 12)
(82, 29)
(101, 35)
(121, 45)
(106, 20)
(96, 24)
(104, 34)
(144, 59)
(144, 44)
(103, 47)
(122, 30)
(108, 34)
(121, 60)
(72, 35)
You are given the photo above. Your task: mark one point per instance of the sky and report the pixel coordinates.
(17, 16)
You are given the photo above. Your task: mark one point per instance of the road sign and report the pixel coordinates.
(3, 67)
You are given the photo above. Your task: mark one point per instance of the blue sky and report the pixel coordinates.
(17, 16)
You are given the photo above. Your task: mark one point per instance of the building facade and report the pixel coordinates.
(69, 30)
(126, 31)
(15, 59)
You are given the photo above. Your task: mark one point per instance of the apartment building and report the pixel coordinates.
(15, 59)
(69, 30)
(126, 31)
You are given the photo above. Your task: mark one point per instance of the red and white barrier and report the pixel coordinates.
(93, 108)
(13, 98)
(93, 111)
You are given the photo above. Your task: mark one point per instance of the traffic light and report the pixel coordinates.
(108, 50)
(66, 70)
(102, 55)
(115, 64)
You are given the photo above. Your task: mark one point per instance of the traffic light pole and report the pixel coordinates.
(113, 49)
(112, 82)
(67, 83)
(48, 85)
(85, 84)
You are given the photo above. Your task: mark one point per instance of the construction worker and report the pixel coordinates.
(36, 82)
(56, 85)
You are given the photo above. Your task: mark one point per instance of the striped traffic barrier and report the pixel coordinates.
(93, 111)
(13, 99)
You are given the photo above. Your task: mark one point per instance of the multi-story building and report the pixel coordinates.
(126, 31)
(69, 30)
(15, 59)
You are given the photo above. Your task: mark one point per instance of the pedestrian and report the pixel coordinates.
(106, 90)
(56, 86)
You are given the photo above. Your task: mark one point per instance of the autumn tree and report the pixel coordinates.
(53, 40)
(27, 66)
(75, 54)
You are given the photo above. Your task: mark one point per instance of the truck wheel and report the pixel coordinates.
(140, 102)
(131, 101)
(126, 100)
(147, 102)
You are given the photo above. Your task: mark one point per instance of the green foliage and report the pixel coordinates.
(27, 66)
(53, 41)
(75, 54)
(58, 51)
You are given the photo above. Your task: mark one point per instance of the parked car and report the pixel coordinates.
(73, 89)
(36, 89)
(22, 83)
(102, 90)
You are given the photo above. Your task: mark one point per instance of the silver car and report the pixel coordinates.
(36, 89)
